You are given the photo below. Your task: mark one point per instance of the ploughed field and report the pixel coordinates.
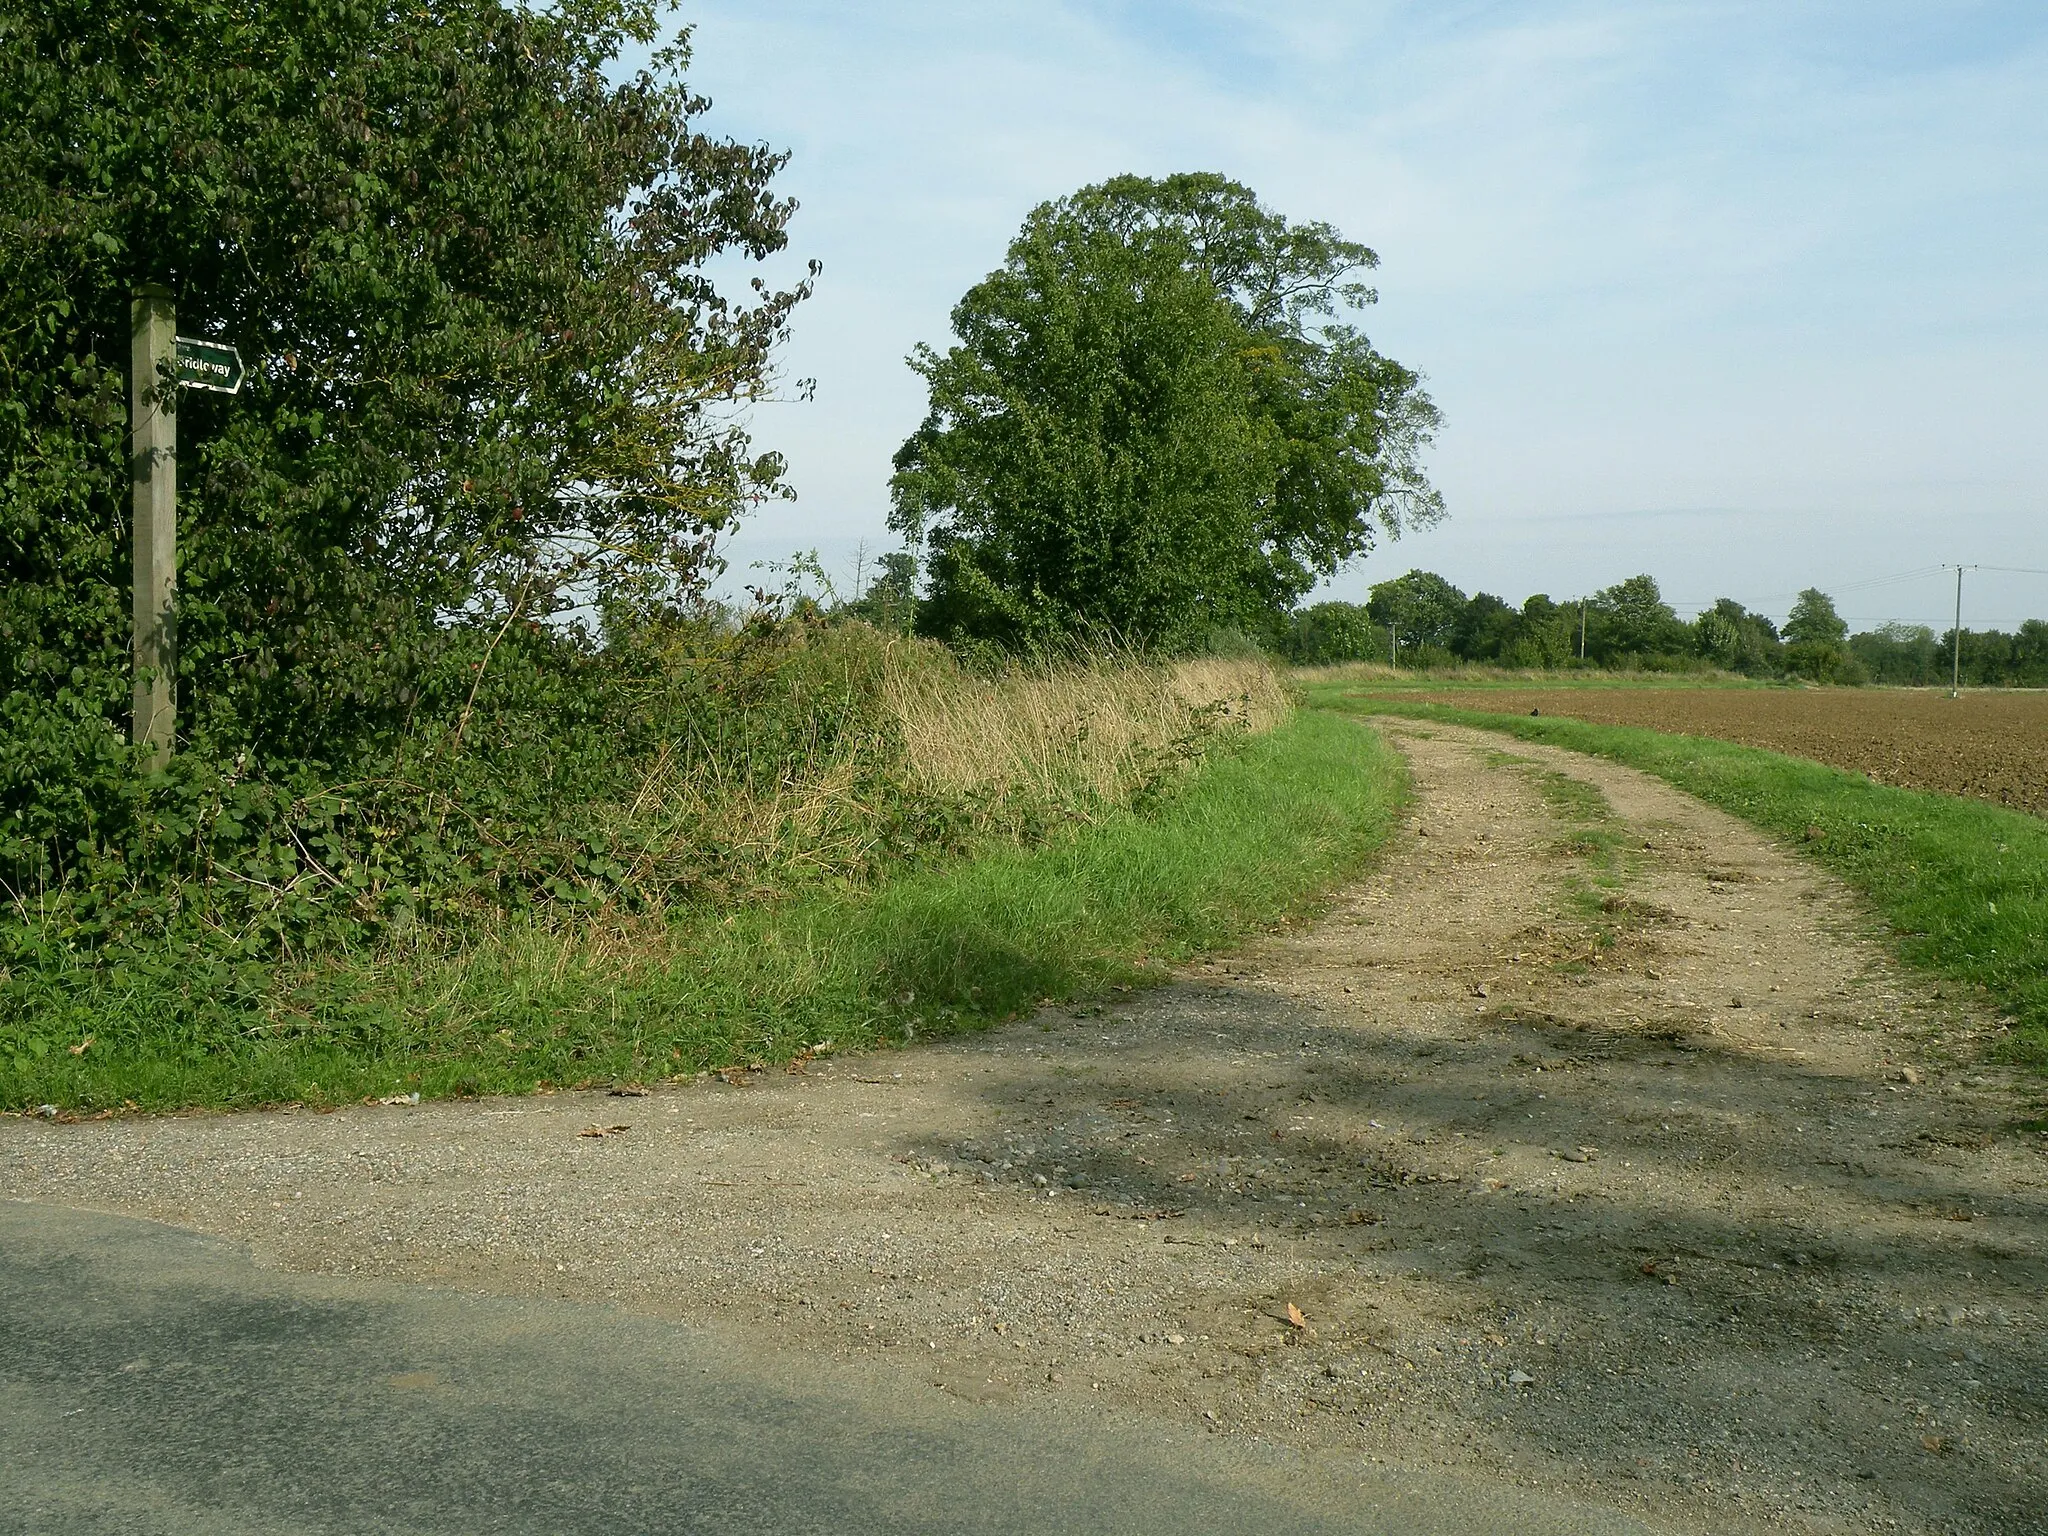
(1993, 745)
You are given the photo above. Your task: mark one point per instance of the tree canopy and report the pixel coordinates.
(1421, 608)
(466, 270)
(1813, 620)
(463, 255)
(1630, 625)
(1817, 640)
(1156, 421)
(1631, 618)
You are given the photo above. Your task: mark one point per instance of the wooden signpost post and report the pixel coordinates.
(163, 363)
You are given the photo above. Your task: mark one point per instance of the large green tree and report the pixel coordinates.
(1156, 420)
(1729, 635)
(463, 251)
(1631, 620)
(463, 254)
(1421, 607)
(1814, 621)
(1817, 640)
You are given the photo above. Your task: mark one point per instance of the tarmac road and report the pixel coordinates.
(154, 1382)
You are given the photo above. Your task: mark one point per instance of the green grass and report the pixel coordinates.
(1596, 836)
(1963, 885)
(1595, 839)
(1258, 833)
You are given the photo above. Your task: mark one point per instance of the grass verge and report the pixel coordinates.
(1257, 832)
(1963, 885)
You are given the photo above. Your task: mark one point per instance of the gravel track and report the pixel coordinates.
(1670, 1192)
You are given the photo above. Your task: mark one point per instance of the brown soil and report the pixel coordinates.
(1990, 746)
(1603, 1152)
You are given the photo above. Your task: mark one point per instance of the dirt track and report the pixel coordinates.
(1673, 1194)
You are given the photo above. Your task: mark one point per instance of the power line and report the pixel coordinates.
(1920, 573)
(1886, 581)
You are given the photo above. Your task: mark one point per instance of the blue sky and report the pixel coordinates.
(1749, 296)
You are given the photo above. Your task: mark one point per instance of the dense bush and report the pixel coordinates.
(1326, 634)
(662, 781)
(464, 262)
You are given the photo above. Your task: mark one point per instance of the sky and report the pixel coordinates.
(1749, 296)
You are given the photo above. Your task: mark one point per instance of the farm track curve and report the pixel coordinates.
(1590, 1144)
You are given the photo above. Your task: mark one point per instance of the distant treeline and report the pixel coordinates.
(1421, 620)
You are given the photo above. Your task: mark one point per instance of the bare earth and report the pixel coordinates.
(1990, 744)
(1720, 1223)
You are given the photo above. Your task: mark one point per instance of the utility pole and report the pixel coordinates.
(1393, 647)
(1955, 680)
(153, 416)
(1582, 631)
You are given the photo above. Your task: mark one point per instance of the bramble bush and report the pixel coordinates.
(484, 444)
(690, 772)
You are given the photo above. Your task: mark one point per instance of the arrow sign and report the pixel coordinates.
(209, 365)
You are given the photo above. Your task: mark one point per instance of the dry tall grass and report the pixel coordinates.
(943, 755)
(1091, 732)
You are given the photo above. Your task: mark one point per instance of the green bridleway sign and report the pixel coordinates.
(209, 365)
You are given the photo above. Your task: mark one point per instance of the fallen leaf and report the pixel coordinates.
(627, 1091)
(1294, 1317)
(82, 1047)
(1934, 1443)
(604, 1130)
(401, 1098)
